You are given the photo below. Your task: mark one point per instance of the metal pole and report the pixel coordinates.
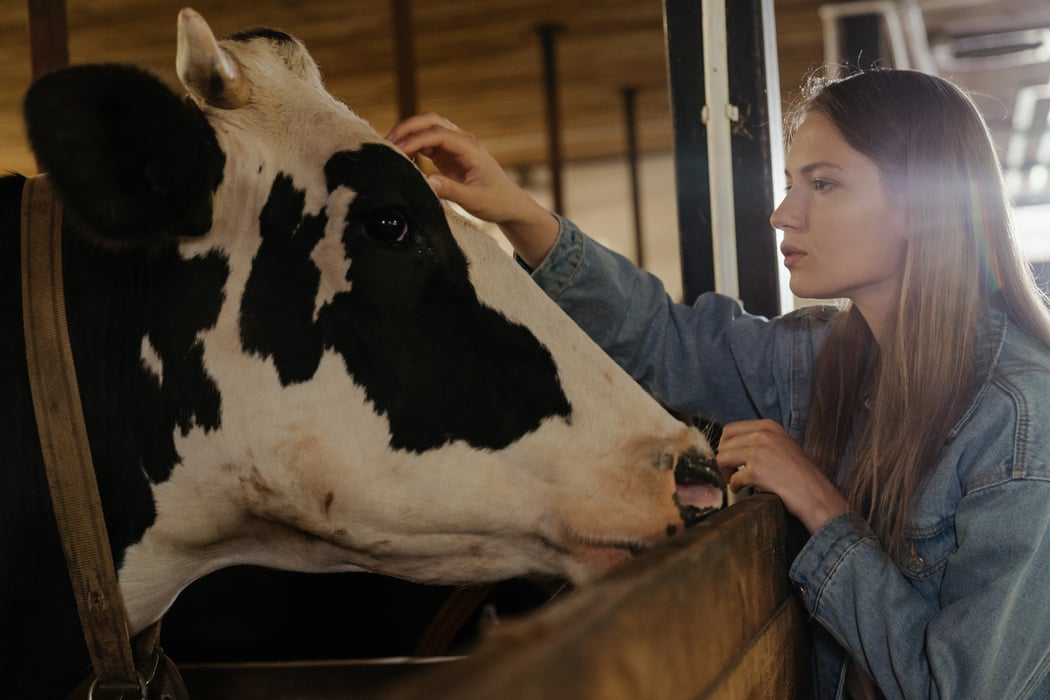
(719, 114)
(725, 180)
(685, 70)
(631, 127)
(547, 34)
(758, 153)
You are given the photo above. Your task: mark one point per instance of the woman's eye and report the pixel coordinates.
(822, 185)
(386, 226)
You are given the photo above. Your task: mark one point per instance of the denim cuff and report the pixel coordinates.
(821, 556)
(557, 271)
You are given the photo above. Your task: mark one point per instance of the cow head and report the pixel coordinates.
(342, 373)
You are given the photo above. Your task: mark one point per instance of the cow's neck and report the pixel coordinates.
(107, 298)
(114, 300)
(43, 652)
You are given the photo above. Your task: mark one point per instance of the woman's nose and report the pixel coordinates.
(784, 216)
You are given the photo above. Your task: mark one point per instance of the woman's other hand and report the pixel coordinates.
(760, 454)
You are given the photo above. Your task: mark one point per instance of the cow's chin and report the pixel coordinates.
(576, 557)
(592, 562)
(590, 557)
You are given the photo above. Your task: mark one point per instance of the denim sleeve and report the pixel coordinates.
(711, 359)
(989, 634)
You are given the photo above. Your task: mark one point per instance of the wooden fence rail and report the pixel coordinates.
(711, 614)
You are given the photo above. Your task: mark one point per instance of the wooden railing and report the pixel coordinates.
(710, 614)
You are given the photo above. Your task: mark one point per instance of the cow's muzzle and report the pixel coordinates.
(701, 490)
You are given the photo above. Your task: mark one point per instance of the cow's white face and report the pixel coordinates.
(395, 394)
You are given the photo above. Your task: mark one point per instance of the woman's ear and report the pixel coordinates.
(130, 159)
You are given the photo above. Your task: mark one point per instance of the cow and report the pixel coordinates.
(291, 354)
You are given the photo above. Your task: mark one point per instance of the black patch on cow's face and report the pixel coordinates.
(431, 357)
(188, 397)
(277, 312)
(123, 297)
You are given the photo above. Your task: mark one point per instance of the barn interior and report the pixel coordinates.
(573, 98)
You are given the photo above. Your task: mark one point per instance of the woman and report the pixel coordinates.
(907, 430)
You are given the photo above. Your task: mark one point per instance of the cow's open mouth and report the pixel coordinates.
(700, 488)
(631, 546)
(607, 552)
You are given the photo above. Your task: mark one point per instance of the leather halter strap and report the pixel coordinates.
(64, 444)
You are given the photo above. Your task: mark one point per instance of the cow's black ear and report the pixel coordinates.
(130, 158)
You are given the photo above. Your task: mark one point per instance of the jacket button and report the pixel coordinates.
(801, 588)
(915, 561)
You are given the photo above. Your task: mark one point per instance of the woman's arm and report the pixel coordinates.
(983, 632)
(711, 359)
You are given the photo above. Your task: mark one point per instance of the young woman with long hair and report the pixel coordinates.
(907, 427)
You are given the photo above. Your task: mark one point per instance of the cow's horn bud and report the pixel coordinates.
(204, 68)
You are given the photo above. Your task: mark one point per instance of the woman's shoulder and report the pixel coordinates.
(1009, 422)
(1020, 372)
(1022, 353)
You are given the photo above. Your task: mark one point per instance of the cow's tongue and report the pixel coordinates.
(700, 489)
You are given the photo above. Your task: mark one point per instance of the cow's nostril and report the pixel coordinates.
(700, 487)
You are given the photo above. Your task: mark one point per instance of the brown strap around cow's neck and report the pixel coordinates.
(64, 444)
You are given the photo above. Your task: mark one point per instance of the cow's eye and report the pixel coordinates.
(386, 226)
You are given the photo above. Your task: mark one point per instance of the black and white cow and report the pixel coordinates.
(292, 355)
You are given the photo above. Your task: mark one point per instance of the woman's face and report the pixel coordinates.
(844, 236)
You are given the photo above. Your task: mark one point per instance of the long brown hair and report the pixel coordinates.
(893, 406)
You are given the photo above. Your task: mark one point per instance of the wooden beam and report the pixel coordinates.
(548, 35)
(710, 615)
(405, 58)
(48, 36)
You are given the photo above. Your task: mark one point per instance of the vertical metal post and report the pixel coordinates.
(631, 128)
(404, 40)
(48, 36)
(719, 113)
(548, 34)
(685, 72)
(758, 151)
(725, 194)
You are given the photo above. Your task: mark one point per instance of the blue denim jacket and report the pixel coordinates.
(963, 611)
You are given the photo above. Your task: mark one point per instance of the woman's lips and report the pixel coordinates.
(791, 255)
